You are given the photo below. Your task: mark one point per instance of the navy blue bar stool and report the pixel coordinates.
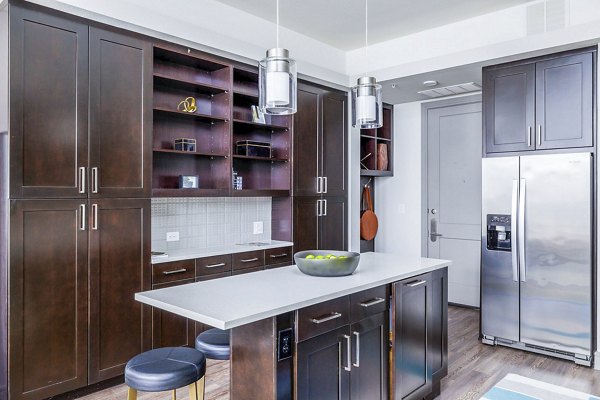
(214, 343)
(166, 369)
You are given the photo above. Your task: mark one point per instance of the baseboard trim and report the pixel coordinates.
(597, 360)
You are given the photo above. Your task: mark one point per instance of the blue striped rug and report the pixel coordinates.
(516, 387)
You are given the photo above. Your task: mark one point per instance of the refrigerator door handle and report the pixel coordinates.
(513, 229)
(521, 232)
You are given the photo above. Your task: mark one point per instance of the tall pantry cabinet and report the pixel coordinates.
(79, 208)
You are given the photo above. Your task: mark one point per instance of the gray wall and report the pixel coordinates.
(3, 69)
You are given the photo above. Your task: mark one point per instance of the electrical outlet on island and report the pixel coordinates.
(258, 227)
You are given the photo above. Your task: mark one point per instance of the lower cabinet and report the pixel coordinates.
(319, 223)
(369, 373)
(171, 330)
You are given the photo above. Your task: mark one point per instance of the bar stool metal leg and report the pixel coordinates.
(174, 394)
(131, 394)
(197, 390)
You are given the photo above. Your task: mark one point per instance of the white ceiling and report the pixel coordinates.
(340, 23)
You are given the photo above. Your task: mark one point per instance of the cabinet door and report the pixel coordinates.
(509, 108)
(333, 224)
(333, 149)
(323, 365)
(438, 324)
(369, 375)
(119, 268)
(564, 103)
(307, 142)
(171, 330)
(120, 115)
(49, 298)
(306, 223)
(412, 370)
(48, 105)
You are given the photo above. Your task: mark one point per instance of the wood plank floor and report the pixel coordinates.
(473, 368)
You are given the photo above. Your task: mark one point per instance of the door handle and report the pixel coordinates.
(539, 135)
(325, 184)
(95, 180)
(82, 217)
(325, 207)
(95, 217)
(319, 184)
(513, 230)
(319, 208)
(521, 233)
(529, 136)
(81, 180)
(348, 366)
(433, 235)
(357, 357)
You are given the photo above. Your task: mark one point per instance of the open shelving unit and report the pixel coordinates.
(223, 94)
(370, 139)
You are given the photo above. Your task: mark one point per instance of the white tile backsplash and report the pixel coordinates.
(208, 222)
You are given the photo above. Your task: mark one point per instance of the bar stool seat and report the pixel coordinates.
(214, 343)
(166, 369)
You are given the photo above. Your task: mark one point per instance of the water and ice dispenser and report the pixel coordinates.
(498, 232)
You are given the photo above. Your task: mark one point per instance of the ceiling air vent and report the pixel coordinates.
(451, 90)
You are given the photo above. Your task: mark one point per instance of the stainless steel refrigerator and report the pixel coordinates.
(537, 254)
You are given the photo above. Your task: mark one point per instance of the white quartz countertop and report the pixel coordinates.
(188, 254)
(238, 300)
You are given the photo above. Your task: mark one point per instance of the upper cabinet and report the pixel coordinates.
(540, 104)
(80, 110)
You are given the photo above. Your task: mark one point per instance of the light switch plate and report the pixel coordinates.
(258, 227)
(172, 236)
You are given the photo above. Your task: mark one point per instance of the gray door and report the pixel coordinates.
(556, 274)
(499, 269)
(454, 195)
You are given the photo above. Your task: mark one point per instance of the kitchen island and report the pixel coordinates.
(300, 337)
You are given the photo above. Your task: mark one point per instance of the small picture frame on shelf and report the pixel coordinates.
(257, 115)
(185, 144)
(189, 181)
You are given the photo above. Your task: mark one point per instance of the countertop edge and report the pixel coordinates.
(234, 249)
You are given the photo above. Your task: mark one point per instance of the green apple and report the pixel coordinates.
(310, 257)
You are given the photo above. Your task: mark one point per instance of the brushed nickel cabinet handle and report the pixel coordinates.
(326, 318)
(319, 184)
(215, 265)
(82, 217)
(539, 135)
(325, 212)
(348, 366)
(278, 255)
(95, 217)
(81, 179)
(250, 260)
(357, 358)
(529, 136)
(175, 271)
(325, 184)
(95, 180)
(376, 300)
(416, 283)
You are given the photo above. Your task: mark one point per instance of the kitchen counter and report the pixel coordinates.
(188, 254)
(238, 300)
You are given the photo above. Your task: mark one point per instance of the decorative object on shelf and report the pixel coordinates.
(253, 148)
(327, 262)
(277, 80)
(237, 181)
(367, 105)
(382, 157)
(362, 165)
(184, 144)
(368, 220)
(188, 181)
(187, 105)
(257, 115)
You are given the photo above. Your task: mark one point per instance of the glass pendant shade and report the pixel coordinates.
(277, 81)
(367, 105)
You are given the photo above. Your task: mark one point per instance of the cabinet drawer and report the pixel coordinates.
(203, 278)
(278, 256)
(249, 259)
(248, 270)
(172, 271)
(213, 265)
(369, 302)
(323, 317)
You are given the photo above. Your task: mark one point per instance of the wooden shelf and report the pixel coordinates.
(185, 84)
(189, 153)
(238, 157)
(260, 193)
(197, 116)
(253, 96)
(158, 192)
(371, 172)
(258, 124)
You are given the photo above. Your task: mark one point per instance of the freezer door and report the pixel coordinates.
(499, 273)
(556, 276)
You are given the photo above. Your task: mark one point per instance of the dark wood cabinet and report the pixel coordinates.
(369, 374)
(438, 332)
(307, 142)
(306, 223)
(320, 223)
(323, 366)
(333, 224)
(171, 330)
(564, 102)
(48, 105)
(333, 143)
(120, 115)
(49, 298)
(540, 104)
(119, 267)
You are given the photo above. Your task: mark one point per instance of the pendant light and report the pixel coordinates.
(277, 80)
(367, 106)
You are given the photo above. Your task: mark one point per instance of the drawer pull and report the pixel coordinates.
(416, 283)
(348, 366)
(356, 362)
(250, 260)
(175, 271)
(376, 300)
(326, 318)
(278, 255)
(215, 265)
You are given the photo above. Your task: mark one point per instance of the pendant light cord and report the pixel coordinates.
(277, 7)
(366, 37)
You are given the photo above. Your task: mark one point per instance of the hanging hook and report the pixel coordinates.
(368, 183)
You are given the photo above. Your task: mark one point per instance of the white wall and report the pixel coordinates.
(398, 198)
